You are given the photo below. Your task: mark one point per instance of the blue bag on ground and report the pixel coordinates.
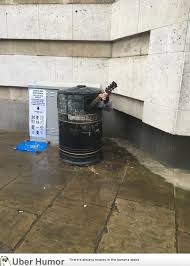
(31, 146)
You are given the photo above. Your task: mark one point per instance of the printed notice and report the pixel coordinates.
(37, 113)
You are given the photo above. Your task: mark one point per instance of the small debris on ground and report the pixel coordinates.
(38, 152)
(85, 205)
(91, 168)
(20, 211)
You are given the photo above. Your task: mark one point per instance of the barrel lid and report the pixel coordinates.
(80, 90)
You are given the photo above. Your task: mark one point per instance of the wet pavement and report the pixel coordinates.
(117, 205)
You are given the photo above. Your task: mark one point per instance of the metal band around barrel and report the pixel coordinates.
(82, 154)
(79, 150)
(79, 123)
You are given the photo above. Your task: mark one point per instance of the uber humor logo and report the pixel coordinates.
(4, 261)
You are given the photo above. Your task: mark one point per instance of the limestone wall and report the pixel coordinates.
(142, 44)
(50, 40)
(160, 78)
(56, 21)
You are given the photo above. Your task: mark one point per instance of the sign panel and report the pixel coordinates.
(37, 113)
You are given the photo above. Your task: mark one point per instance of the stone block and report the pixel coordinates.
(160, 117)
(4, 93)
(128, 17)
(115, 20)
(187, 44)
(182, 126)
(90, 71)
(168, 39)
(154, 14)
(127, 105)
(131, 46)
(21, 70)
(14, 94)
(91, 22)
(183, 115)
(91, 49)
(184, 101)
(55, 22)
(163, 79)
(14, 115)
(56, 48)
(124, 18)
(52, 48)
(129, 73)
(19, 94)
(16, 2)
(92, 1)
(27, 69)
(3, 23)
(63, 69)
(22, 21)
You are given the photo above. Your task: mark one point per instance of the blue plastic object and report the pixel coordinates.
(31, 146)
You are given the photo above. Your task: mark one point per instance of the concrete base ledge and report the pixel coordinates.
(14, 114)
(170, 149)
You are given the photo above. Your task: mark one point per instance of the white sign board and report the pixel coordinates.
(37, 113)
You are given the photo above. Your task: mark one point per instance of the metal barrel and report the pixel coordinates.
(80, 128)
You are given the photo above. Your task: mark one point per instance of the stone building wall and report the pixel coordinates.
(142, 44)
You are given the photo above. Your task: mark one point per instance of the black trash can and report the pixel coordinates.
(80, 127)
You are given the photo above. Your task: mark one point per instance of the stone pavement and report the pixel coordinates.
(115, 206)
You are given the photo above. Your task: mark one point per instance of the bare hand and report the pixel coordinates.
(103, 96)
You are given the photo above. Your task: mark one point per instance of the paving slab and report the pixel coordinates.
(139, 228)
(113, 152)
(67, 227)
(15, 159)
(44, 172)
(12, 138)
(97, 184)
(142, 185)
(183, 242)
(15, 163)
(113, 166)
(13, 226)
(50, 159)
(183, 209)
(29, 196)
(4, 248)
(6, 179)
(94, 186)
(115, 170)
